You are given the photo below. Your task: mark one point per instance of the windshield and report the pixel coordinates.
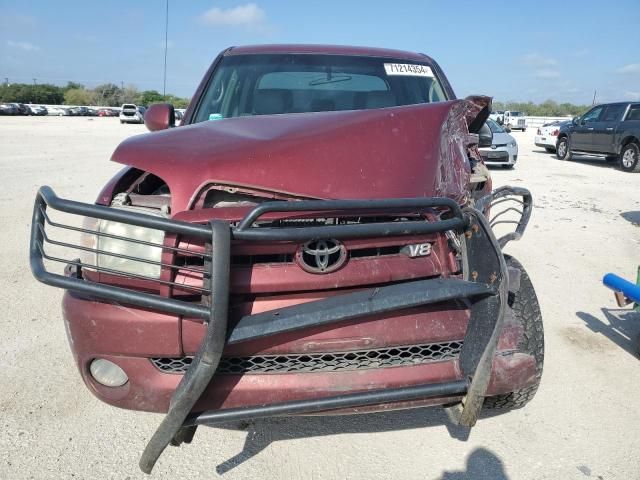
(495, 128)
(296, 83)
(516, 114)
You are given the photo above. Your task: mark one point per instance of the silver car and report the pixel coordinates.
(503, 150)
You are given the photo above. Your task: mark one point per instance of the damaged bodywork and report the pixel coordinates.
(287, 263)
(357, 157)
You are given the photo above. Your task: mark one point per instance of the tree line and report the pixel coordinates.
(548, 108)
(111, 95)
(108, 95)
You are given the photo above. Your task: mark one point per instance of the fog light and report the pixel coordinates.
(108, 373)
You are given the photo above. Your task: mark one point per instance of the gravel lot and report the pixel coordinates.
(583, 423)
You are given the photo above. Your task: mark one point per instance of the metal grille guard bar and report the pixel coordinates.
(484, 287)
(504, 195)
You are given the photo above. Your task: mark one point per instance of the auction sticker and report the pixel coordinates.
(408, 70)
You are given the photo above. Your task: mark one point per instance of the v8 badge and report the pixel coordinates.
(417, 250)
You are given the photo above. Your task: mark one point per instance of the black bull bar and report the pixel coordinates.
(484, 288)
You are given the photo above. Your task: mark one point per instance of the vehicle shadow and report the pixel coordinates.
(621, 326)
(263, 432)
(482, 464)
(633, 217)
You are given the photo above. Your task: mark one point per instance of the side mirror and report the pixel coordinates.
(485, 136)
(160, 116)
(575, 120)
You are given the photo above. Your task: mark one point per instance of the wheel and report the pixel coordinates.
(524, 130)
(121, 122)
(526, 310)
(611, 158)
(630, 158)
(563, 152)
(550, 149)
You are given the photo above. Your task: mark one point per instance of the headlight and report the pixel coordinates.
(88, 240)
(513, 144)
(123, 247)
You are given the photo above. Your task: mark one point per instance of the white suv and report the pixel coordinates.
(130, 113)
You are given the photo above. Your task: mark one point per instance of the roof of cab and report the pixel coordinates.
(328, 50)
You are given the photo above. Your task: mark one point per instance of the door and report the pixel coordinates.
(582, 135)
(605, 128)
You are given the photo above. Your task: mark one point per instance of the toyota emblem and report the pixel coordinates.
(321, 256)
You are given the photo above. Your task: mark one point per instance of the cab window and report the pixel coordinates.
(592, 115)
(613, 113)
(634, 112)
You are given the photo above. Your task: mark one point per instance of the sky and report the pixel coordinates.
(534, 50)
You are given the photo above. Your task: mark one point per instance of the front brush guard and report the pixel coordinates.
(484, 289)
(485, 286)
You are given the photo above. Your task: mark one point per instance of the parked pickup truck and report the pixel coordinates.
(314, 238)
(515, 120)
(611, 130)
(510, 120)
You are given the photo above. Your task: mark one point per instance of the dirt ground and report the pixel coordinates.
(583, 423)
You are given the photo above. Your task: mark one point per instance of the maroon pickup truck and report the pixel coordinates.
(315, 238)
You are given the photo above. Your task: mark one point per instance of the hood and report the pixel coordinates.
(410, 151)
(502, 138)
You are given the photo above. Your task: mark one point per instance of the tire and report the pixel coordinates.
(524, 130)
(526, 310)
(630, 158)
(121, 122)
(550, 149)
(563, 152)
(508, 167)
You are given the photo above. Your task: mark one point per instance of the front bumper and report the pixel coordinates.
(499, 156)
(517, 125)
(463, 382)
(131, 118)
(147, 346)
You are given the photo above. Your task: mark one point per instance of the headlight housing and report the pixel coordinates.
(105, 242)
(513, 144)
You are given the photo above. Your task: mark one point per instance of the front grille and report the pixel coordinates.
(495, 156)
(248, 260)
(324, 362)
